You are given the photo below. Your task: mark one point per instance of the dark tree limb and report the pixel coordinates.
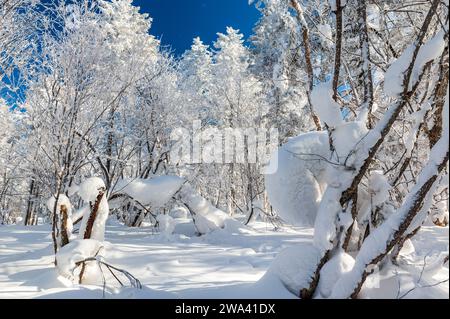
(401, 243)
(307, 293)
(93, 214)
(64, 229)
(439, 100)
(338, 52)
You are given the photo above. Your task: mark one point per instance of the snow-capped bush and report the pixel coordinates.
(63, 218)
(295, 189)
(63, 200)
(166, 224)
(306, 168)
(295, 266)
(70, 261)
(96, 209)
(338, 265)
(154, 192)
(207, 218)
(90, 188)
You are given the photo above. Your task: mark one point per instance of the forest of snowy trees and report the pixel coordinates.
(351, 97)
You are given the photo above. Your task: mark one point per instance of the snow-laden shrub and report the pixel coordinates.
(207, 218)
(305, 169)
(89, 189)
(295, 266)
(166, 224)
(96, 210)
(64, 225)
(295, 189)
(338, 265)
(154, 192)
(70, 261)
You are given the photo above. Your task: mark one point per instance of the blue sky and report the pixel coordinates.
(177, 22)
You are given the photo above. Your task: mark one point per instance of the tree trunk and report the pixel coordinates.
(29, 213)
(338, 52)
(439, 99)
(63, 231)
(93, 215)
(366, 75)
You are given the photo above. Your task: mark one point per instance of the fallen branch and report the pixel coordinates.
(134, 282)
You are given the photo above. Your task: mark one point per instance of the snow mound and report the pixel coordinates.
(166, 224)
(233, 226)
(205, 225)
(295, 188)
(155, 192)
(340, 264)
(75, 252)
(295, 266)
(90, 188)
(48, 278)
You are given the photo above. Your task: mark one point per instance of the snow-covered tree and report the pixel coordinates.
(6, 125)
(196, 77)
(279, 61)
(91, 106)
(131, 50)
(359, 209)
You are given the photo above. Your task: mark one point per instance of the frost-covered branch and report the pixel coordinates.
(376, 247)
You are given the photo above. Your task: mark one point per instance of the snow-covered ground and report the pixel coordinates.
(187, 265)
(228, 263)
